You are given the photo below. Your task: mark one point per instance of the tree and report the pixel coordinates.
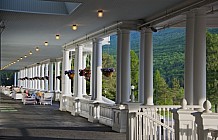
(161, 91)
(212, 67)
(109, 83)
(177, 92)
(134, 71)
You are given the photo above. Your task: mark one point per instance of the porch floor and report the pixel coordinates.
(45, 122)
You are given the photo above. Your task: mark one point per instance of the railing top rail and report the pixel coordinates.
(169, 106)
(160, 106)
(155, 120)
(106, 105)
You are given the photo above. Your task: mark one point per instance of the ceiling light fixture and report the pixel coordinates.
(74, 27)
(18, 60)
(21, 58)
(30, 53)
(46, 43)
(25, 56)
(100, 13)
(57, 37)
(37, 49)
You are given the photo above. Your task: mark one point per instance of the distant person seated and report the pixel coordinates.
(38, 96)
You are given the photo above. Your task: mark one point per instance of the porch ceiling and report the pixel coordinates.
(25, 29)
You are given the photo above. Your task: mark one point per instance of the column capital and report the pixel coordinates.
(200, 11)
(146, 30)
(96, 40)
(123, 31)
(65, 49)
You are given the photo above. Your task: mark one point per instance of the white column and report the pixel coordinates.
(15, 77)
(199, 79)
(84, 80)
(46, 74)
(125, 64)
(42, 75)
(38, 75)
(26, 75)
(148, 66)
(29, 75)
(76, 74)
(51, 72)
(23, 77)
(79, 55)
(141, 67)
(66, 83)
(98, 69)
(93, 72)
(33, 85)
(188, 78)
(57, 73)
(119, 67)
(98, 66)
(91, 82)
(18, 76)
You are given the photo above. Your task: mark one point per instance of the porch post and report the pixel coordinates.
(46, 74)
(15, 79)
(30, 76)
(57, 73)
(84, 80)
(148, 66)
(141, 67)
(75, 74)
(27, 83)
(79, 52)
(66, 83)
(33, 81)
(189, 58)
(38, 80)
(91, 79)
(199, 81)
(93, 72)
(98, 67)
(119, 54)
(36, 74)
(51, 72)
(42, 75)
(125, 64)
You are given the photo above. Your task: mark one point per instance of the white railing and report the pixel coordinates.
(84, 108)
(106, 114)
(153, 122)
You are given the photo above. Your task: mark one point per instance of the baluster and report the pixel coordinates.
(137, 126)
(144, 128)
(164, 130)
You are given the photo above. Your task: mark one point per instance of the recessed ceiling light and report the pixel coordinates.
(37, 49)
(74, 27)
(57, 37)
(21, 58)
(46, 43)
(25, 56)
(100, 13)
(30, 53)
(18, 60)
